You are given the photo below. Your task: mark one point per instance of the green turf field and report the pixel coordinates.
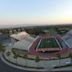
(48, 43)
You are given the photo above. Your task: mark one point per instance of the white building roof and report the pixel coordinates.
(19, 36)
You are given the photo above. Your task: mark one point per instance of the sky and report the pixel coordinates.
(35, 12)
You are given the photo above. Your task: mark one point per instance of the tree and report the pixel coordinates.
(70, 55)
(8, 54)
(37, 59)
(13, 50)
(25, 57)
(2, 48)
(15, 57)
(59, 57)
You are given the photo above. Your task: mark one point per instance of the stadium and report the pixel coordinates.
(45, 46)
(41, 51)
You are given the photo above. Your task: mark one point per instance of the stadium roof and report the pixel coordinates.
(19, 36)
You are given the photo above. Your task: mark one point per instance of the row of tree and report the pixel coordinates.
(37, 59)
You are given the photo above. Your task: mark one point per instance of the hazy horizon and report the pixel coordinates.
(33, 12)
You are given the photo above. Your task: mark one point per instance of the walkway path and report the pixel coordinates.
(22, 68)
(8, 67)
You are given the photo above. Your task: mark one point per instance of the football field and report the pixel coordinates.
(48, 43)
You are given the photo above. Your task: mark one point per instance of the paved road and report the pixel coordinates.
(6, 68)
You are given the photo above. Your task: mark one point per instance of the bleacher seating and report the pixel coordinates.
(23, 43)
(68, 35)
(29, 38)
(68, 38)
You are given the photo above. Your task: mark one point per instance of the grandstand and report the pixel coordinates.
(24, 41)
(68, 38)
(22, 44)
(43, 45)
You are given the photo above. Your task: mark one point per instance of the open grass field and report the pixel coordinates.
(48, 43)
